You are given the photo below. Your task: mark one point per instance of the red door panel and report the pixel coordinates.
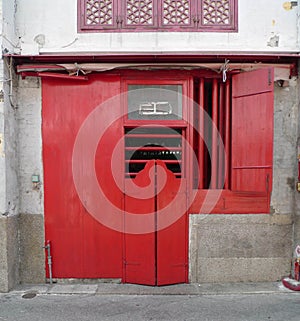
(158, 257)
(81, 246)
(140, 256)
(172, 240)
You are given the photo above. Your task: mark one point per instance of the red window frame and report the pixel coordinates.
(196, 16)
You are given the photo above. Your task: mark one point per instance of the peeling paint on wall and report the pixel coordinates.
(273, 41)
(40, 39)
(289, 5)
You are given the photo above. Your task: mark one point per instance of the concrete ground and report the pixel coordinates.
(122, 302)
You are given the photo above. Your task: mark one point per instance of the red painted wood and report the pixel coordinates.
(227, 135)
(153, 15)
(171, 241)
(81, 246)
(140, 249)
(252, 131)
(201, 138)
(252, 82)
(229, 202)
(214, 148)
(221, 123)
(158, 257)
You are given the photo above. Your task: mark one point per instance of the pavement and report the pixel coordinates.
(105, 288)
(128, 302)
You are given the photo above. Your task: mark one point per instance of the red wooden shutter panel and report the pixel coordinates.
(252, 131)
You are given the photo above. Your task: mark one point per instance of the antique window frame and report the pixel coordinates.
(196, 20)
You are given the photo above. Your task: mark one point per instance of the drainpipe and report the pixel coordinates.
(49, 260)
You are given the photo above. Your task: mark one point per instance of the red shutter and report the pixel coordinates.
(252, 131)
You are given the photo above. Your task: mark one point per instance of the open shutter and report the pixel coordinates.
(252, 131)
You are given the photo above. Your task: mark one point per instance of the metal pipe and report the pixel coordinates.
(49, 260)
(10, 94)
(51, 75)
(214, 149)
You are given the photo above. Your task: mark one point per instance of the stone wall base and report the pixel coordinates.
(240, 248)
(9, 252)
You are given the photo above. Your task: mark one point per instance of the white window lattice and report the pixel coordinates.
(99, 12)
(216, 12)
(139, 12)
(176, 12)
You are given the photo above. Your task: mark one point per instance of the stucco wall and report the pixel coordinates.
(297, 194)
(9, 193)
(8, 123)
(286, 109)
(30, 142)
(52, 27)
(31, 221)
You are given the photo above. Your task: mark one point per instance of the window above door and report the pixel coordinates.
(155, 102)
(157, 15)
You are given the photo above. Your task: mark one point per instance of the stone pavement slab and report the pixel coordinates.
(73, 289)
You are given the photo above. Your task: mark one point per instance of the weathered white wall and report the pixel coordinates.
(9, 35)
(51, 26)
(8, 124)
(2, 152)
(30, 146)
(9, 192)
(286, 109)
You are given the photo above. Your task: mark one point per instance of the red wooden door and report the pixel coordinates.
(81, 247)
(158, 256)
